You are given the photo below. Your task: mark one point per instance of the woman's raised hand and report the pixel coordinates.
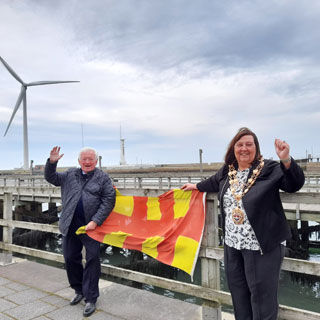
(283, 152)
(282, 149)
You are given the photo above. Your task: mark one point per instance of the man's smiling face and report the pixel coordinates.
(88, 161)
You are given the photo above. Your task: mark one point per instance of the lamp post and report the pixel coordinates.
(31, 167)
(100, 158)
(200, 156)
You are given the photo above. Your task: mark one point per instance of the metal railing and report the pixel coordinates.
(156, 180)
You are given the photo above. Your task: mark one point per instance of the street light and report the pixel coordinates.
(200, 156)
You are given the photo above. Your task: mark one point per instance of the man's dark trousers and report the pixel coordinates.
(83, 280)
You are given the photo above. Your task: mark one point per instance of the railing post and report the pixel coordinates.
(6, 257)
(139, 182)
(210, 268)
(160, 183)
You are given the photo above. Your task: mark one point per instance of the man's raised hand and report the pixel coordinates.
(55, 154)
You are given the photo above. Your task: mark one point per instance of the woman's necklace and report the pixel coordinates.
(237, 213)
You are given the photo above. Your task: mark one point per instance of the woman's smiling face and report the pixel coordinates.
(245, 151)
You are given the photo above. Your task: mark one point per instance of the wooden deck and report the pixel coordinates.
(30, 290)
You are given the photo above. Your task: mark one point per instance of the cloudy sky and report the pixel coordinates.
(176, 75)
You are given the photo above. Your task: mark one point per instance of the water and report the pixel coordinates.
(298, 294)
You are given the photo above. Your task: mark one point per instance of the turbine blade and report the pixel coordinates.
(21, 96)
(41, 83)
(12, 71)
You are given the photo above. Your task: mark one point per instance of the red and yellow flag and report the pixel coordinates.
(168, 228)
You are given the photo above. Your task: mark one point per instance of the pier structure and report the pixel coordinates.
(24, 190)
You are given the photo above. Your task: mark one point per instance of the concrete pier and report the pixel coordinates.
(30, 290)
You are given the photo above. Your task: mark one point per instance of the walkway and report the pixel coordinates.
(30, 290)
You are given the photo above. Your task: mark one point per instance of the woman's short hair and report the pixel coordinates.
(230, 157)
(88, 149)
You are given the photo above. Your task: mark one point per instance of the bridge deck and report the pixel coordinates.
(30, 290)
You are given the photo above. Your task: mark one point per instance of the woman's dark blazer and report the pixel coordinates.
(262, 202)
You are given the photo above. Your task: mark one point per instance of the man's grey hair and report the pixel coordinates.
(88, 149)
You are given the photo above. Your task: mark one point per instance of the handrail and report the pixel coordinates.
(157, 180)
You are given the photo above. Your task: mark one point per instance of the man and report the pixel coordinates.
(88, 197)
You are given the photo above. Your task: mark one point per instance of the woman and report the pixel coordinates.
(254, 223)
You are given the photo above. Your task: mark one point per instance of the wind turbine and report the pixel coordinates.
(23, 97)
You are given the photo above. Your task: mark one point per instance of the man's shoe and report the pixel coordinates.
(89, 309)
(76, 299)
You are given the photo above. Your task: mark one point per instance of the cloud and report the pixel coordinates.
(177, 75)
(174, 34)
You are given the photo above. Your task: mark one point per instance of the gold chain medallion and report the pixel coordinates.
(237, 216)
(237, 213)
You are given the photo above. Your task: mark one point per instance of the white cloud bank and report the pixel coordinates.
(176, 75)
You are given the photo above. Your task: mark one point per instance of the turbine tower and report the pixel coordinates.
(23, 97)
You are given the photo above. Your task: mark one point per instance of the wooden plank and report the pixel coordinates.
(301, 266)
(211, 253)
(289, 264)
(291, 215)
(301, 197)
(30, 226)
(210, 269)
(289, 313)
(33, 252)
(6, 257)
(7, 215)
(177, 286)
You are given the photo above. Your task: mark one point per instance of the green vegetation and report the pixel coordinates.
(314, 250)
